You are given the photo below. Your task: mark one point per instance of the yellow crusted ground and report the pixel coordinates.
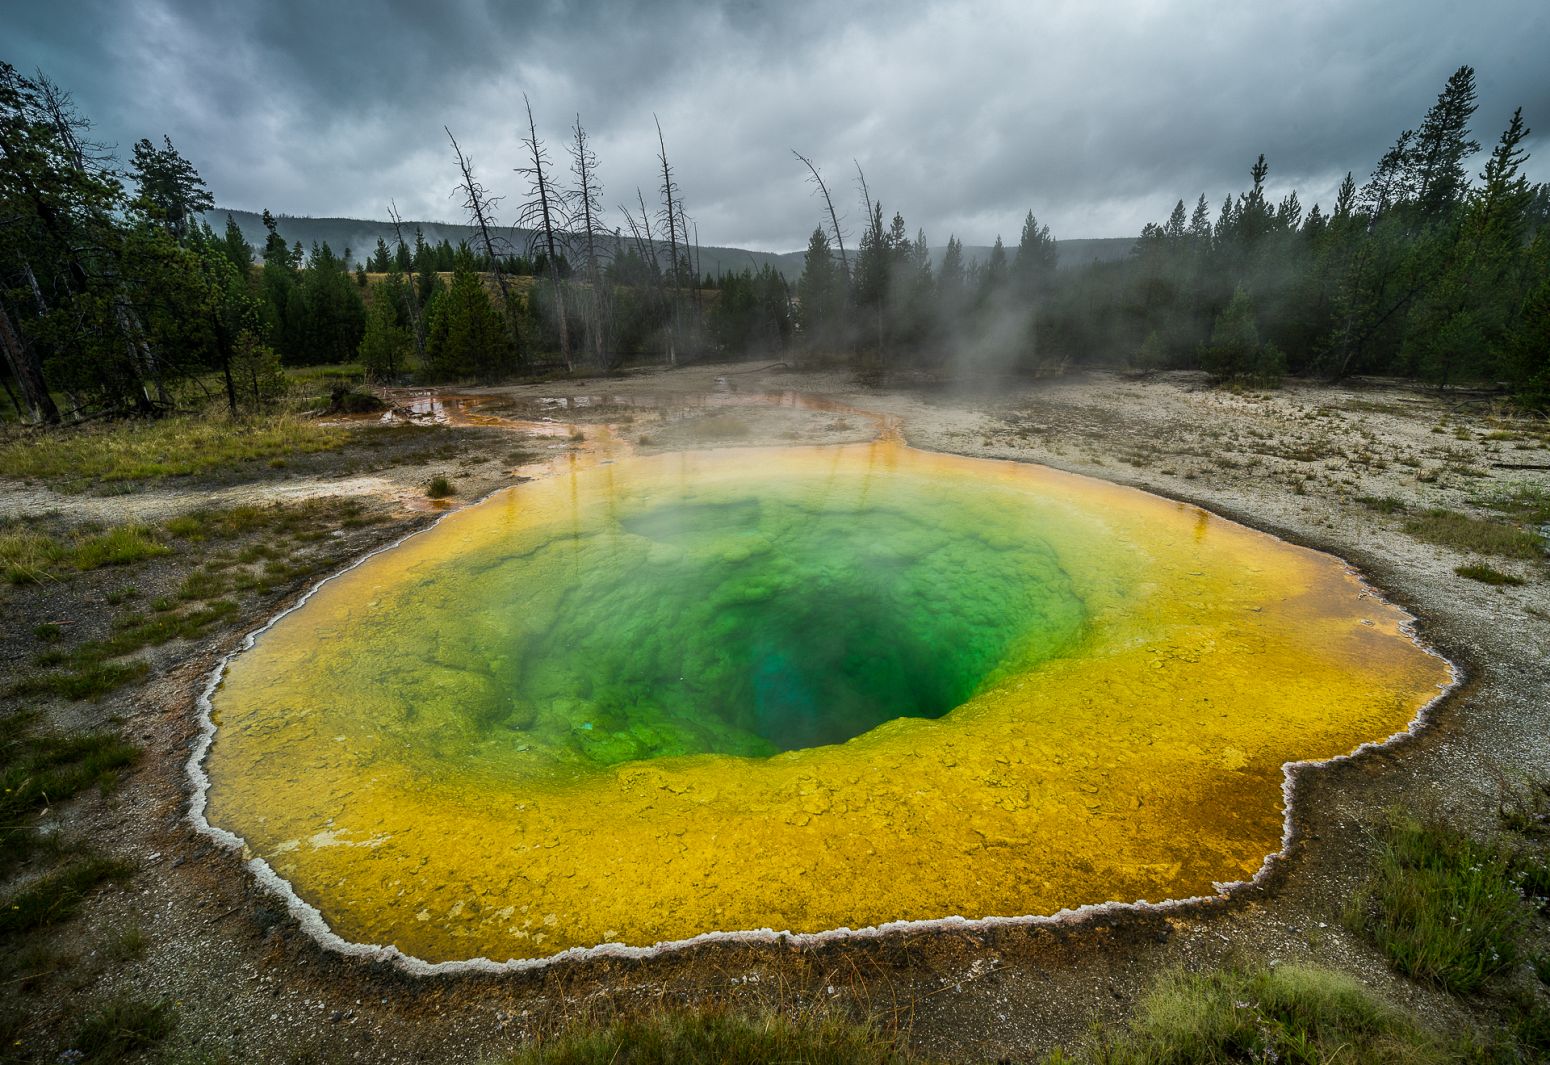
(1145, 765)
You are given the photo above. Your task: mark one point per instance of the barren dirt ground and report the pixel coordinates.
(1339, 468)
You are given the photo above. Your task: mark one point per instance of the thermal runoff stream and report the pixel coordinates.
(796, 689)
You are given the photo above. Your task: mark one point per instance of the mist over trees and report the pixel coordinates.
(117, 297)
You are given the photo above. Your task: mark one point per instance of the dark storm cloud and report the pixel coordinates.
(964, 116)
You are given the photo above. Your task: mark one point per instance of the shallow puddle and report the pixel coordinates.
(797, 689)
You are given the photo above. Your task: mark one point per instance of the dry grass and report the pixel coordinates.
(713, 1037)
(173, 447)
(29, 556)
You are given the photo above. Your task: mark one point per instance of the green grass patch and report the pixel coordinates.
(1482, 536)
(714, 1037)
(305, 521)
(26, 555)
(440, 488)
(57, 897)
(125, 1026)
(171, 447)
(1526, 809)
(38, 770)
(127, 944)
(1487, 575)
(329, 373)
(91, 680)
(1295, 1013)
(1526, 503)
(120, 546)
(1382, 504)
(31, 556)
(1444, 908)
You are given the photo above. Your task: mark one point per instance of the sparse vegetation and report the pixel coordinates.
(1443, 907)
(1487, 574)
(1483, 536)
(440, 487)
(716, 1036)
(58, 895)
(123, 1027)
(171, 447)
(29, 556)
(1383, 504)
(39, 769)
(1294, 1013)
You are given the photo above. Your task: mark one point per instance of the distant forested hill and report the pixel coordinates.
(360, 237)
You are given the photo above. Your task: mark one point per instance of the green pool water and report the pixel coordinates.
(739, 624)
(737, 619)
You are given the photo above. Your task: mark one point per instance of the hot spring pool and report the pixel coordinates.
(794, 689)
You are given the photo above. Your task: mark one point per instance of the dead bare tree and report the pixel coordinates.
(672, 212)
(480, 206)
(586, 224)
(542, 213)
(411, 301)
(874, 234)
(649, 249)
(640, 232)
(834, 218)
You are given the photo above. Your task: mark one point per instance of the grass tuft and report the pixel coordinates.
(26, 555)
(715, 1036)
(30, 556)
(1443, 907)
(123, 1027)
(440, 488)
(120, 546)
(1487, 574)
(1295, 1013)
(89, 680)
(1483, 536)
(58, 896)
(1383, 504)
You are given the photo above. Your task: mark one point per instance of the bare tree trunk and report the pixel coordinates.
(653, 259)
(479, 205)
(542, 211)
(669, 196)
(875, 228)
(585, 201)
(23, 362)
(834, 219)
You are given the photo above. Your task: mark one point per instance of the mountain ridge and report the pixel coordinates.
(359, 235)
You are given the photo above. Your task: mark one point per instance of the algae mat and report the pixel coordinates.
(793, 689)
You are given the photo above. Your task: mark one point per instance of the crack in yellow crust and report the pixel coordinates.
(1142, 762)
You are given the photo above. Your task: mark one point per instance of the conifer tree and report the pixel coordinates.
(820, 295)
(1440, 147)
(1033, 269)
(385, 345)
(466, 337)
(237, 249)
(169, 191)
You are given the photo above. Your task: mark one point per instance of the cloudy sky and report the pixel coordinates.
(1096, 115)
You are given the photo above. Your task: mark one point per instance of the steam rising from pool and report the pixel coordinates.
(800, 689)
